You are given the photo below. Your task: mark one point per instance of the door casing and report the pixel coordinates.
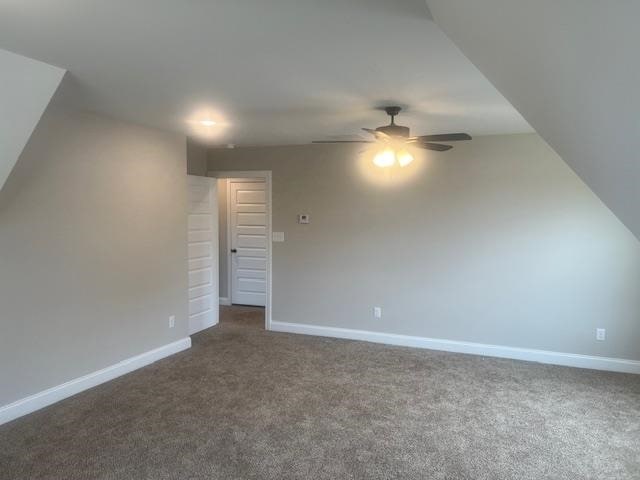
(266, 176)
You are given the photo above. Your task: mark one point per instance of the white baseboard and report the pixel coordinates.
(531, 355)
(225, 301)
(55, 394)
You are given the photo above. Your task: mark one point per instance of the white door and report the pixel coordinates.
(203, 253)
(248, 222)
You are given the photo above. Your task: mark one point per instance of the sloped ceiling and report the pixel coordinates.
(26, 87)
(572, 69)
(271, 72)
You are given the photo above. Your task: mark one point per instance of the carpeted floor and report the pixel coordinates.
(244, 403)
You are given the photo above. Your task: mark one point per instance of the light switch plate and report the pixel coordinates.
(277, 236)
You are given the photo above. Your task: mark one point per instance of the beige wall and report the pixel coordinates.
(92, 250)
(496, 241)
(196, 158)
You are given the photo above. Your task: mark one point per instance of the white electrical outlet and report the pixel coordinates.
(601, 334)
(172, 321)
(377, 312)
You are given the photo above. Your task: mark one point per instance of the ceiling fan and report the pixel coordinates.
(392, 137)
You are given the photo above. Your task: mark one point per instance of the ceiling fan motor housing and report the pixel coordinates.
(394, 130)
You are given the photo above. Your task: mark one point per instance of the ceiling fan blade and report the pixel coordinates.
(343, 141)
(438, 147)
(444, 137)
(379, 135)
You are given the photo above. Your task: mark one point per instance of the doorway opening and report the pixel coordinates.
(242, 316)
(244, 203)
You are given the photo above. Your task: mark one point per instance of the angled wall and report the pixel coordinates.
(26, 87)
(571, 68)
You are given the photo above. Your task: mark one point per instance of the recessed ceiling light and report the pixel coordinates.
(208, 124)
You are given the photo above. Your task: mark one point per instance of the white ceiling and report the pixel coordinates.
(278, 71)
(572, 68)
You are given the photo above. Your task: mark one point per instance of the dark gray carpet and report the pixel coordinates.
(248, 404)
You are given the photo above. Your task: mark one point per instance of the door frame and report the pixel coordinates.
(266, 175)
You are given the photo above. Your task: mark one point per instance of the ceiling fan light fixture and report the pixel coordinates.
(385, 159)
(389, 157)
(404, 158)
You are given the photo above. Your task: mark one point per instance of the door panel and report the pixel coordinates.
(254, 274)
(248, 241)
(200, 277)
(248, 221)
(248, 263)
(251, 285)
(251, 219)
(202, 250)
(251, 196)
(251, 230)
